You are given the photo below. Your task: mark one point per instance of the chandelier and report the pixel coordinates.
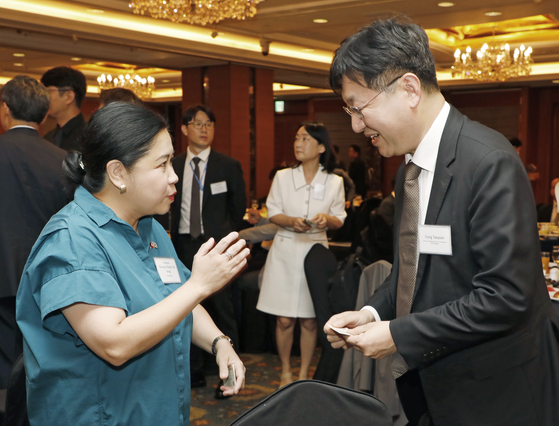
(196, 12)
(494, 63)
(143, 87)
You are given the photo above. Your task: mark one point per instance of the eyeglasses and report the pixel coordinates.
(356, 111)
(60, 90)
(199, 124)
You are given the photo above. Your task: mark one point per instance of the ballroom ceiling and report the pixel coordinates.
(100, 36)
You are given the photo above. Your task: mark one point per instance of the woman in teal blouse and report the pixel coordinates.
(106, 308)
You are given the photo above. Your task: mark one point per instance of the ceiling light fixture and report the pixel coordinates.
(143, 87)
(18, 64)
(320, 21)
(196, 12)
(494, 62)
(494, 13)
(445, 4)
(19, 55)
(76, 59)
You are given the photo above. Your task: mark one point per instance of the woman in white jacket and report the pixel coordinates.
(304, 201)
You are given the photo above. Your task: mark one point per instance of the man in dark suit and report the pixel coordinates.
(358, 170)
(477, 342)
(67, 88)
(32, 191)
(214, 183)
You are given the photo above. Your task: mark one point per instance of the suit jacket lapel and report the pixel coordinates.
(442, 178)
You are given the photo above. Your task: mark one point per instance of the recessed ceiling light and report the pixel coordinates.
(320, 21)
(99, 11)
(555, 81)
(165, 81)
(308, 50)
(493, 13)
(18, 64)
(19, 55)
(445, 4)
(76, 59)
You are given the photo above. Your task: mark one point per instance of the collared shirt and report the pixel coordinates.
(188, 176)
(425, 156)
(68, 136)
(86, 254)
(22, 126)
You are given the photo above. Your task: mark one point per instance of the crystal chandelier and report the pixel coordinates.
(196, 12)
(143, 87)
(494, 63)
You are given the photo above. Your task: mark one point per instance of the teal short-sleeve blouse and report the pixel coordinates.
(87, 254)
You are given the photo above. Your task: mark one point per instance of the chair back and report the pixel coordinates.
(316, 403)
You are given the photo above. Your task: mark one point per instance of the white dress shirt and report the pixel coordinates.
(184, 224)
(425, 156)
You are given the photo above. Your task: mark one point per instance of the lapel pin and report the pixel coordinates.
(152, 245)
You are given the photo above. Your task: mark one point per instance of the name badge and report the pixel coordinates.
(435, 239)
(218, 187)
(318, 191)
(167, 269)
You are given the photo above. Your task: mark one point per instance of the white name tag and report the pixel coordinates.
(435, 239)
(167, 269)
(318, 191)
(218, 187)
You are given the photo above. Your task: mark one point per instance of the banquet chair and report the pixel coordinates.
(320, 266)
(316, 403)
(358, 371)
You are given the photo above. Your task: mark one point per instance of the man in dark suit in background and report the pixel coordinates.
(465, 312)
(67, 88)
(358, 171)
(213, 182)
(32, 191)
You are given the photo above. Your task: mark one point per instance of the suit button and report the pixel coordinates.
(425, 357)
(307, 202)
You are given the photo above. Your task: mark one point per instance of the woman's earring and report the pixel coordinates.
(122, 189)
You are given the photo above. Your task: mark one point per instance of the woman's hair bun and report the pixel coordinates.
(74, 168)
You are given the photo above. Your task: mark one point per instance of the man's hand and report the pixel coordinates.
(350, 320)
(373, 339)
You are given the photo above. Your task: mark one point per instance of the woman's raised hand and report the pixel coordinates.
(212, 268)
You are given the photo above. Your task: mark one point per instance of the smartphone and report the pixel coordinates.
(231, 380)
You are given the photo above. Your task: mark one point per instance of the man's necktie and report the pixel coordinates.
(195, 226)
(407, 253)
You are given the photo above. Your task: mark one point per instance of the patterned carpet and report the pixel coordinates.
(262, 378)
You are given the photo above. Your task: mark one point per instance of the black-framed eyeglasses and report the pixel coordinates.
(199, 124)
(356, 111)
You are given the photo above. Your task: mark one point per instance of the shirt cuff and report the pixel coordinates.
(373, 311)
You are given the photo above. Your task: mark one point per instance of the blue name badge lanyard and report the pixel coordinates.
(197, 178)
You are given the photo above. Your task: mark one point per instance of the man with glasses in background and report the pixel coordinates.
(210, 203)
(67, 88)
(465, 313)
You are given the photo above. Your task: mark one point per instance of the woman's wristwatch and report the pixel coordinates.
(217, 339)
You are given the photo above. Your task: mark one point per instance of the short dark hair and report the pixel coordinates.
(517, 143)
(191, 112)
(382, 51)
(119, 94)
(321, 134)
(356, 148)
(27, 99)
(119, 131)
(66, 77)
